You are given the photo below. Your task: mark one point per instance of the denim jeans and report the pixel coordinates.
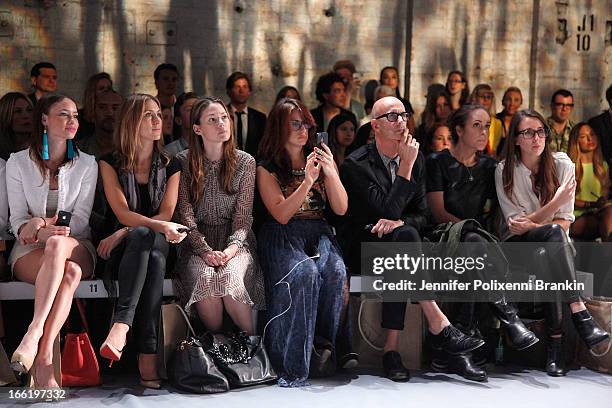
(311, 294)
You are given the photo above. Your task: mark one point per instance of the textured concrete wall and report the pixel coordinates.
(294, 41)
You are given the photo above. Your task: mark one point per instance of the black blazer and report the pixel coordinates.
(602, 125)
(256, 124)
(32, 98)
(372, 196)
(317, 114)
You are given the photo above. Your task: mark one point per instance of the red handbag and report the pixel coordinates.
(79, 363)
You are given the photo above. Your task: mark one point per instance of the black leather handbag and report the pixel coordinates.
(192, 369)
(243, 359)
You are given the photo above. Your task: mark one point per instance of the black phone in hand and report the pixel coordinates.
(63, 219)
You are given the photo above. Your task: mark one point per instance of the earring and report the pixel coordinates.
(70, 150)
(45, 146)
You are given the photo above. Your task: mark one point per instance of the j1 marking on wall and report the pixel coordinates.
(583, 37)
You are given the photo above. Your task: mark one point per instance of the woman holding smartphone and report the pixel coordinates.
(536, 190)
(305, 273)
(218, 266)
(141, 186)
(50, 176)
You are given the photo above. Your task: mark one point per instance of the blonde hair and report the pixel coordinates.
(127, 133)
(598, 161)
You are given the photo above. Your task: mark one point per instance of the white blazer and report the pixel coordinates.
(28, 190)
(3, 204)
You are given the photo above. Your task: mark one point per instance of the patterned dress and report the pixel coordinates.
(220, 219)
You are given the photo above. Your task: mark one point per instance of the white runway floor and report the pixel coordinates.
(506, 388)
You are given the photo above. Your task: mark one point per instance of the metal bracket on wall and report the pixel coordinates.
(6, 26)
(160, 32)
(562, 33)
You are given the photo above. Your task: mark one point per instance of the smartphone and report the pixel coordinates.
(185, 229)
(63, 219)
(322, 137)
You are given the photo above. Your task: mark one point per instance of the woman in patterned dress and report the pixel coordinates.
(217, 266)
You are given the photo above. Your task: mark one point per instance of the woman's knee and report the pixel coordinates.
(55, 245)
(555, 233)
(72, 273)
(140, 234)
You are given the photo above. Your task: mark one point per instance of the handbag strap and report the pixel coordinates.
(81, 308)
(596, 354)
(185, 318)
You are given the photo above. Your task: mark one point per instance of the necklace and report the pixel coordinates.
(471, 178)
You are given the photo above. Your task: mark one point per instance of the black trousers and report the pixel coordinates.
(561, 261)
(393, 313)
(141, 272)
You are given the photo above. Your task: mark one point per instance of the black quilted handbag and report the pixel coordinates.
(192, 369)
(243, 359)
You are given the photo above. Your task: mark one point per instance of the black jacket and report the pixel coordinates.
(317, 114)
(256, 125)
(372, 196)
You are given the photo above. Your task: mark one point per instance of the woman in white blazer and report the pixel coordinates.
(50, 176)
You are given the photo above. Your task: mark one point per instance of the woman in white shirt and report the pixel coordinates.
(50, 176)
(536, 191)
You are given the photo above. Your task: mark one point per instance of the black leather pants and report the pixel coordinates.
(559, 260)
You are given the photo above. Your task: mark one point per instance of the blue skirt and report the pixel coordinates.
(308, 301)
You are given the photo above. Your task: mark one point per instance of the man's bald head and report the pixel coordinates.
(384, 105)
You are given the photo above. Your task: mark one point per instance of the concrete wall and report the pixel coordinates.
(294, 41)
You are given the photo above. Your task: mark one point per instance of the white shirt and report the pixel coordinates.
(28, 191)
(245, 125)
(3, 203)
(524, 200)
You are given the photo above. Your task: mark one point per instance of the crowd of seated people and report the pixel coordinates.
(261, 211)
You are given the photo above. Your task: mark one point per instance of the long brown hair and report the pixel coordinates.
(89, 96)
(272, 146)
(43, 106)
(8, 142)
(126, 137)
(428, 118)
(598, 161)
(195, 156)
(546, 179)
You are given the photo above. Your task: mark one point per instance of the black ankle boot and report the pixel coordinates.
(453, 341)
(518, 335)
(462, 364)
(555, 364)
(588, 329)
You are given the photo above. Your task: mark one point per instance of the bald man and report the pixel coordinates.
(386, 188)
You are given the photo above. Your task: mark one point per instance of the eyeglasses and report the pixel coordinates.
(298, 124)
(563, 105)
(529, 133)
(486, 97)
(214, 120)
(455, 81)
(393, 116)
